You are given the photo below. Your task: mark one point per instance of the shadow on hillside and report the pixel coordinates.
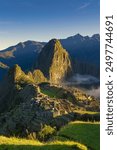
(40, 147)
(58, 122)
(62, 120)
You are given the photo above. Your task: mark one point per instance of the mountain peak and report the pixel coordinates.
(96, 36)
(21, 45)
(54, 44)
(53, 41)
(54, 61)
(78, 35)
(16, 68)
(37, 76)
(14, 73)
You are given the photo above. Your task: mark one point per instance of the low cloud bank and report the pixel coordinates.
(94, 92)
(89, 84)
(83, 79)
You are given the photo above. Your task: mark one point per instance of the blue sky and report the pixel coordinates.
(41, 20)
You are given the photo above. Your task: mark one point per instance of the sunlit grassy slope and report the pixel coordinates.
(87, 133)
(73, 136)
(23, 144)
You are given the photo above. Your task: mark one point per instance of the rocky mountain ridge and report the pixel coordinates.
(84, 52)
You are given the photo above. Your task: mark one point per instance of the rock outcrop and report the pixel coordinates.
(37, 76)
(15, 73)
(54, 62)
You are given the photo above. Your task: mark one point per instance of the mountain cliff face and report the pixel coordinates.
(15, 74)
(54, 61)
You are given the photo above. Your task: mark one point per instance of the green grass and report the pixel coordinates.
(23, 144)
(87, 112)
(57, 92)
(84, 132)
(73, 136)
(49, 93)
(52, 92)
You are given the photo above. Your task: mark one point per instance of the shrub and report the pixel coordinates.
(46, 132)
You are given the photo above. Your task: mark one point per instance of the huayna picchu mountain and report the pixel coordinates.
(54, 62)
(27, 106)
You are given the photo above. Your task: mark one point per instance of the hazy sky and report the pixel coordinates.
(41, 20)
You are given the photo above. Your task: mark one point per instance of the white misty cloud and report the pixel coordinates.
(83, 79)
(94, 92)
(85, 5)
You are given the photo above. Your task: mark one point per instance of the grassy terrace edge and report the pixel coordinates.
(14, 143)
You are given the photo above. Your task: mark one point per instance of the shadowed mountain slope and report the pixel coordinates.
(23, 54)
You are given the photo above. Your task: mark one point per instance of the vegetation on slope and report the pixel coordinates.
(87, 133)
(23, 144)
(73, 136)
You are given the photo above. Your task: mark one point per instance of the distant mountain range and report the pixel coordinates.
(83, 50)
(24, 54)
